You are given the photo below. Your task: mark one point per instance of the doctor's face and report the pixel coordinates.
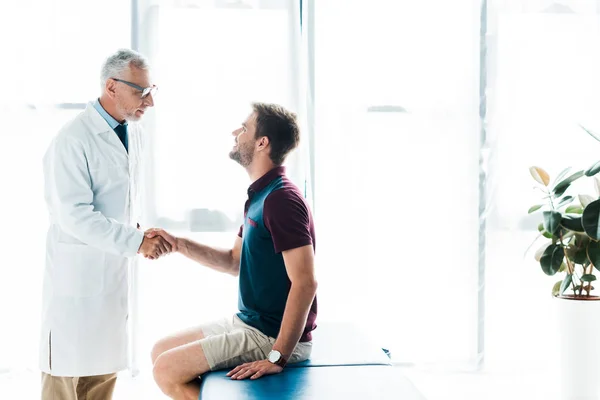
(129, 101)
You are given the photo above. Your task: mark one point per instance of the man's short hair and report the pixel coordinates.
(280, 126)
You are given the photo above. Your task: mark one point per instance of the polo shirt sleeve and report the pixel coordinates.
(241, 230)
(287, 218)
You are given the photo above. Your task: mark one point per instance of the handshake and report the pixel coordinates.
(157, 243)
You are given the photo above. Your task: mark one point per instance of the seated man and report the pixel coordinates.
(273, 256)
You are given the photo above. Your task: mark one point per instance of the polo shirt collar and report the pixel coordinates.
(267, 178)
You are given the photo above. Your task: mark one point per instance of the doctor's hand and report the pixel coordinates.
(161, 233)
(153, 248)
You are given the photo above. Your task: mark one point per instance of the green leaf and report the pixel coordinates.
(565, 283)
(560, 176)
(585, 199)
(591, 220)
(564, 201)
(556, 288)
(590, 133)
(577, 249)
(563, 267)
(593, 253)
(552, 259)
(552, 221)
(540, 252)
(588, 278)
(593, 170)
(543, 231)
(563, 185)
(572, 223)
(534, 208)
(531, 245)
(574, 210)
(579, 256)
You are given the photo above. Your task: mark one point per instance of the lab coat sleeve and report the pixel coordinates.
(71, 193)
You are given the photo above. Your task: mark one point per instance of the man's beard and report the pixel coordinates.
(128, 116)
(242, 156)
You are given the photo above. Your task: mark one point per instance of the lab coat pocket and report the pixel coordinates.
(78, 270)
(115, 273)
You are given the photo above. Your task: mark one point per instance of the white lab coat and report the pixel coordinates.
(94, 202)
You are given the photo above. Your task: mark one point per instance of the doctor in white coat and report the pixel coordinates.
(92, 172)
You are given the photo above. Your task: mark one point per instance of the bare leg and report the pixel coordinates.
(176, 369)
(176, 340)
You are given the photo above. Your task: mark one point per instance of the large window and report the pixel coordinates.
(544, 82)
(211, 60)
(206, 87)
(397, 173)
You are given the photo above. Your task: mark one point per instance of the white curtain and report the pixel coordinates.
(544, 58)
(396, 193)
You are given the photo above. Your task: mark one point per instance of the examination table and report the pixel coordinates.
(343, 365)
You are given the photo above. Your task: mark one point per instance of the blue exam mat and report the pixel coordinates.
(341, 382)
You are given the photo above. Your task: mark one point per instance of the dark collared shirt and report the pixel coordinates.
(276, 218)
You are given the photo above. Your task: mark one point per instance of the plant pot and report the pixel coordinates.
(579, 347)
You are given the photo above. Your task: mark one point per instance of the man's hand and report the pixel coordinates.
(161, 233)
(254, 370)
(153, 248)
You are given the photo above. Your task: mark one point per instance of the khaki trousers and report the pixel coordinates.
(99, 387)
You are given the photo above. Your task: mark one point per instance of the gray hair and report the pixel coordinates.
(116, 64)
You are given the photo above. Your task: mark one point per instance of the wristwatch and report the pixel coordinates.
(276, 358)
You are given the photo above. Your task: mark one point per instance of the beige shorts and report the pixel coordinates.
(230, 342)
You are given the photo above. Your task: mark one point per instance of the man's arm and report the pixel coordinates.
(222, 260)
(69, 188)
(299, 264)
(288, 220)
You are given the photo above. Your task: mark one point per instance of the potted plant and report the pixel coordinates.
(570, 224)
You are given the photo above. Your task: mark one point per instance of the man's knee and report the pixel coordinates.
(160, 371)
(155, 352)
(158, 348)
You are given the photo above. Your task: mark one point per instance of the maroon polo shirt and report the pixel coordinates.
(276, 218)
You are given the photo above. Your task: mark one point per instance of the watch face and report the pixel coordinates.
(274, 356)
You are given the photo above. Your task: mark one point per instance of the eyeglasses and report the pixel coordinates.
(145, 91)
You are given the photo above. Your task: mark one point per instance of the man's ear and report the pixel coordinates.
(111, 88)
(263, 143)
